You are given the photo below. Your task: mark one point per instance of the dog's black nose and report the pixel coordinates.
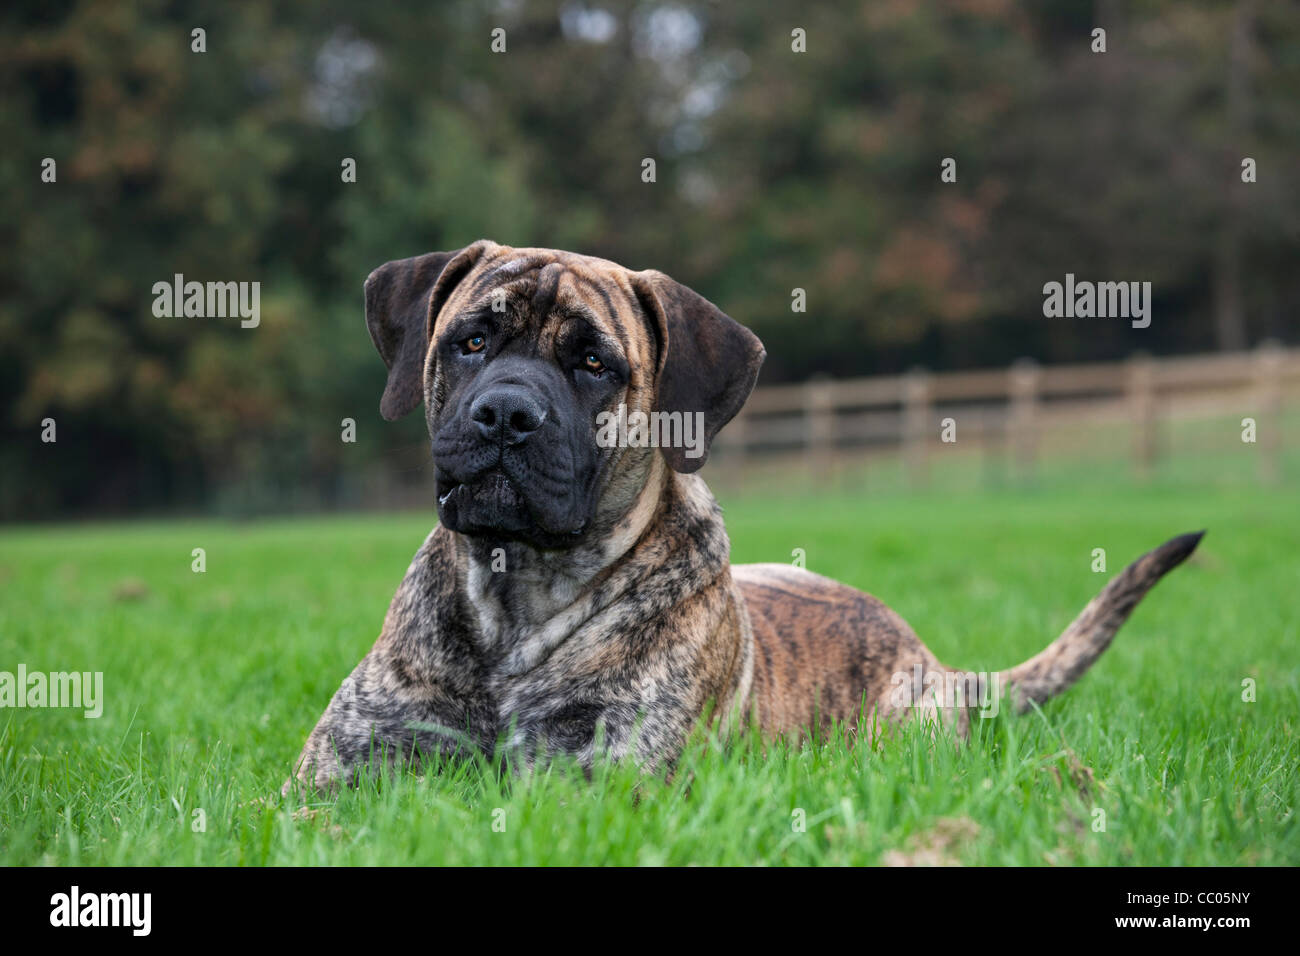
(507, 413)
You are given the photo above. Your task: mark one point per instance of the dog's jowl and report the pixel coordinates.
(576, 594)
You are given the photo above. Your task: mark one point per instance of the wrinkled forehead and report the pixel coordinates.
(545, 287)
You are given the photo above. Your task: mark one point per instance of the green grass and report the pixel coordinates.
(213, 680)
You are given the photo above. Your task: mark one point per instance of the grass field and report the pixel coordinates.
(212, 681)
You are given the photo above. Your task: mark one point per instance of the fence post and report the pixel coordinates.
(1142, 412)
(1023, 416)
(1268, 427)
(994, 429)
(916, 424)
(819, 417)
(737, 448)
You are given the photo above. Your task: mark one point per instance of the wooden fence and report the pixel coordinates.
(825, 420)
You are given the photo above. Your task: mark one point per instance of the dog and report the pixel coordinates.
(576, 595)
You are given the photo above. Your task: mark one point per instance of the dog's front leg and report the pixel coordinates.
(341, 734)
(380, 716)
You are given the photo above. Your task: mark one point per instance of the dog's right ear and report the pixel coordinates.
(403, 298)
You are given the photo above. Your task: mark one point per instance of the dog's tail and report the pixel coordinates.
(1062, 662)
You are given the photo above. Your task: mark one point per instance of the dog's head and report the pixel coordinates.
(523, 355)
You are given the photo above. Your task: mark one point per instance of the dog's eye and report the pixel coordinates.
(592, 363)
(475, 343)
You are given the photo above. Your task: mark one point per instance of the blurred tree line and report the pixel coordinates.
(775, 170)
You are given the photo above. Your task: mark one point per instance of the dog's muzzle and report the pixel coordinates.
(509, 462)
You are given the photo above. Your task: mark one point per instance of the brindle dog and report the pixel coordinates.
(576, 597)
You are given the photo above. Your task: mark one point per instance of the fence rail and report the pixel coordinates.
(825, 419)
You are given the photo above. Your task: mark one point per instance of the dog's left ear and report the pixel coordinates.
(403, 298)
(708, 362)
